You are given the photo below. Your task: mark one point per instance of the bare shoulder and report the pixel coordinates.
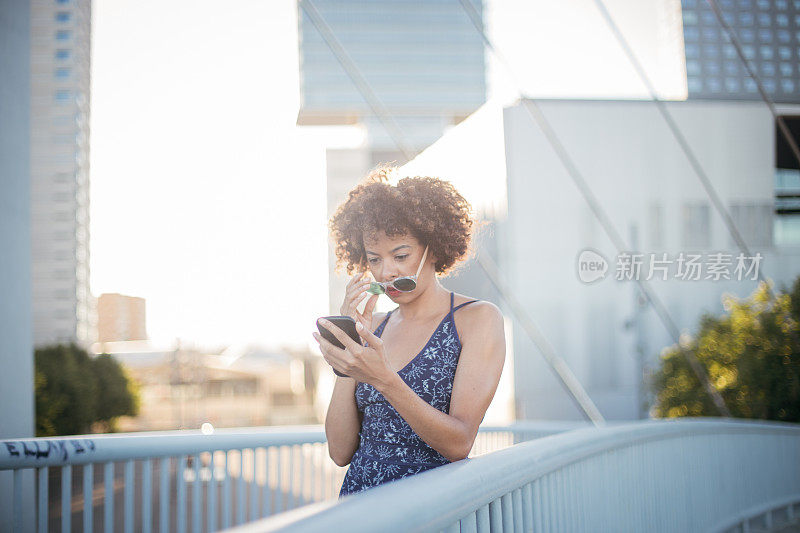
(478, 319)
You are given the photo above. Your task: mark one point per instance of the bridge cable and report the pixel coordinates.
(681, 139)
(557, 364)
(534, 111)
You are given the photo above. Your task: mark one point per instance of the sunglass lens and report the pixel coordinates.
(375, 288)
(405, 284)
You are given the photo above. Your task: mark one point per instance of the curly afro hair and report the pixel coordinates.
(430, 209)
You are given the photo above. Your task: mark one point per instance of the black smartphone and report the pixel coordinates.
(346, 324)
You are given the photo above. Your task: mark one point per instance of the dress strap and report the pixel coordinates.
(385, 320)
(462, 305)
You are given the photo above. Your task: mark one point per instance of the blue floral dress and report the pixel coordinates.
(388, 448)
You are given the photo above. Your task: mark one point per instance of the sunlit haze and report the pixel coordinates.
(207, 201)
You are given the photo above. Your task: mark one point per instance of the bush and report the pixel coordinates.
(751, 356)
(74, 390)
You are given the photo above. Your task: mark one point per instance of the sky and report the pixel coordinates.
(208, 202)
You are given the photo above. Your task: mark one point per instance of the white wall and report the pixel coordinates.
(631, 162)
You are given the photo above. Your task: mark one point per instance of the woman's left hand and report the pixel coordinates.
(367, 364)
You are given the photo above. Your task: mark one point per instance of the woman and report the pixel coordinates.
(419, 387)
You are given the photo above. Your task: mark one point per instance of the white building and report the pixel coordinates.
(642, 180)
(59, 168)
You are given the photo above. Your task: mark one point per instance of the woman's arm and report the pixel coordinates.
(477, 376)
(343, 420)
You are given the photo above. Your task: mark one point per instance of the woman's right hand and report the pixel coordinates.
(354, 294)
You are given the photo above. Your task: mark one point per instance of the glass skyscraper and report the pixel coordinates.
(423, 60)
(63, 307)
(769, 32)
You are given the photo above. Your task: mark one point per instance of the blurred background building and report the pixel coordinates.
(767, 30)
(63, 307)
(184, 387)
(604, 331)
(120, 318)
(423, 61)
(769, 35)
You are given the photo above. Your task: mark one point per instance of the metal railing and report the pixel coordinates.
(185, 480)
(669, 475)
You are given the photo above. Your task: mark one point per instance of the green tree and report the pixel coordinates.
(751, 355)
(73, 390)
(117, 395)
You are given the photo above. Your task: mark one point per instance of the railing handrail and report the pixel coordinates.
(94, 448)
(482, 479)
(82, 449)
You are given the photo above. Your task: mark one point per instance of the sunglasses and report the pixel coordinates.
(402, 284)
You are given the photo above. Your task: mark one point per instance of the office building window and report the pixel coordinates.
(787, 230)
(710, 35)
(62, 73)
(63, 35)
(754, 222)
(730, 51)
(62, 54)
(63, 16)
(62, 96)
(696, 226)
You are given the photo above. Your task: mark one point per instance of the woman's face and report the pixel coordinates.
(393, 257)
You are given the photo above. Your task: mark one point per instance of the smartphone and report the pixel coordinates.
(346, 324)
